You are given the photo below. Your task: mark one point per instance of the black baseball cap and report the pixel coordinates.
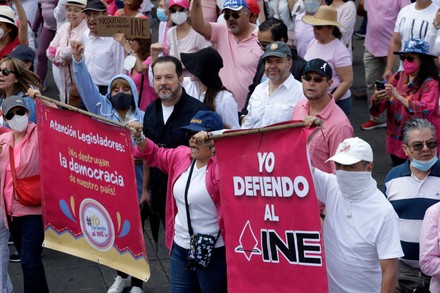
(319, 66)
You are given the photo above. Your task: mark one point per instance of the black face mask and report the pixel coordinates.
(121, 101)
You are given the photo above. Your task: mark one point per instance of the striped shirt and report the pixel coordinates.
(410, 198)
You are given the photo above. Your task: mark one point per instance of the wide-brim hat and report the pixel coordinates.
(7, 15)
(325, 15)
(12, 102)
(415, 46)
(206, 65)
(79, 3)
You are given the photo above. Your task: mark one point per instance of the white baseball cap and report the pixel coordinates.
(351, 151)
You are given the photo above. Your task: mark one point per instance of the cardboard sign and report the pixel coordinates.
(90, 204)
(132, 27)
(272, 226)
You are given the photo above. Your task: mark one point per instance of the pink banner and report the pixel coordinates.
(90, 203)
(273, 230)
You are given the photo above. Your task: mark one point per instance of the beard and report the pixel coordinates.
(168, 97)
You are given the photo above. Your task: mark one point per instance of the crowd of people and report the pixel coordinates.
(238, 64)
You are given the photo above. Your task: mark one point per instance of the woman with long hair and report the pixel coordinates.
(59, 51)
(328, 46)
(205, 84)
(16, 79)
(411, 93)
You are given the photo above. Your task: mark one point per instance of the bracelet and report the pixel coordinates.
(140, 139)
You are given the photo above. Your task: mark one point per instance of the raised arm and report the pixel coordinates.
(198, 22)
(23, 27)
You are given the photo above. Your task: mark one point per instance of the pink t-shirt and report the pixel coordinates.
(240, 60)
(336, 54)
(148, 94)
(380, 25)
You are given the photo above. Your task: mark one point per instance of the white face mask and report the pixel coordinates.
(19, 123)
(2, 33)
(179, 17)
(352, 184)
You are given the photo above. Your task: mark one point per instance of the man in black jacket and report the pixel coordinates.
(269, 31)
(162, 124)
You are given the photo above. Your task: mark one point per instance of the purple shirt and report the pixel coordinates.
(381, 22)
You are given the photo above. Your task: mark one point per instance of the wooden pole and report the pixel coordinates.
(70, 107)
(318, 122)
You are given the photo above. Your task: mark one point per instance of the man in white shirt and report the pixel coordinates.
(103, 55)
(361, 229)
(273, 100)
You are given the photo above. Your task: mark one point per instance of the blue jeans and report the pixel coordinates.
(28, 235)
(345, 105)
(212, 279)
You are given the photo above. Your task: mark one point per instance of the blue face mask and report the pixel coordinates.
(161, 15)
(424, 165)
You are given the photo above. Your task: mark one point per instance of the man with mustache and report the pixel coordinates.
(162, 123)
(273, 100)
(236, 41)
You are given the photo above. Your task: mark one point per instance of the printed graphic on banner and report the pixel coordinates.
(271, 214)
(90, 203)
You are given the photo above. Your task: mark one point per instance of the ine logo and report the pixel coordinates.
(248, 242)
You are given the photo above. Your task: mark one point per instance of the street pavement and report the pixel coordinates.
(69, 274)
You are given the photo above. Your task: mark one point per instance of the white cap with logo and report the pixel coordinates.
(351, 151)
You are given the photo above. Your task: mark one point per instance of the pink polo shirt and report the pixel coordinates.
(325, 142)
(240, 60)
(381, 22)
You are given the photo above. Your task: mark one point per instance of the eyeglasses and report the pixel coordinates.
(11, 114)
(174, 10)
(406, 57)
(316, 79)
(263, 45)
(419, 145)
(227, 15)
(6, 72)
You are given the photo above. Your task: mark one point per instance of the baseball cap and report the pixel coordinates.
(351, 151)
(11, 102)
(253, 6)
(181, 3)
(95, 5)
(205, 120)
(319, 66)
(23, 53)
(235, 5)
(278, 49)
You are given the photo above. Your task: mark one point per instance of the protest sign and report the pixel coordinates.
(132, 27)
(90, 203)
(272, 225)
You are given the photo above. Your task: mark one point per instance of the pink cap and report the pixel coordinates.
(181, 3)
(253, 6)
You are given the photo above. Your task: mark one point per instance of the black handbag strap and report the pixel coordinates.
(188, 181)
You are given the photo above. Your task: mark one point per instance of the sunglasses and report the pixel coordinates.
(174, 10)
(316, 79)
(11, 114)
(405, 57)
(263, 44)
(6, 72)
(235, 15)
(419, 145)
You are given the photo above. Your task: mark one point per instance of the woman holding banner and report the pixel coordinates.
(194, 220)
(19, 162)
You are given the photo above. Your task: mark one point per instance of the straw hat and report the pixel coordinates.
(7, 14)
(325, 15)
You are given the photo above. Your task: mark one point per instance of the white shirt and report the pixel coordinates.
(355, 245)
(202, 210)
(224, 102)
(265, 109)
(104, 57)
